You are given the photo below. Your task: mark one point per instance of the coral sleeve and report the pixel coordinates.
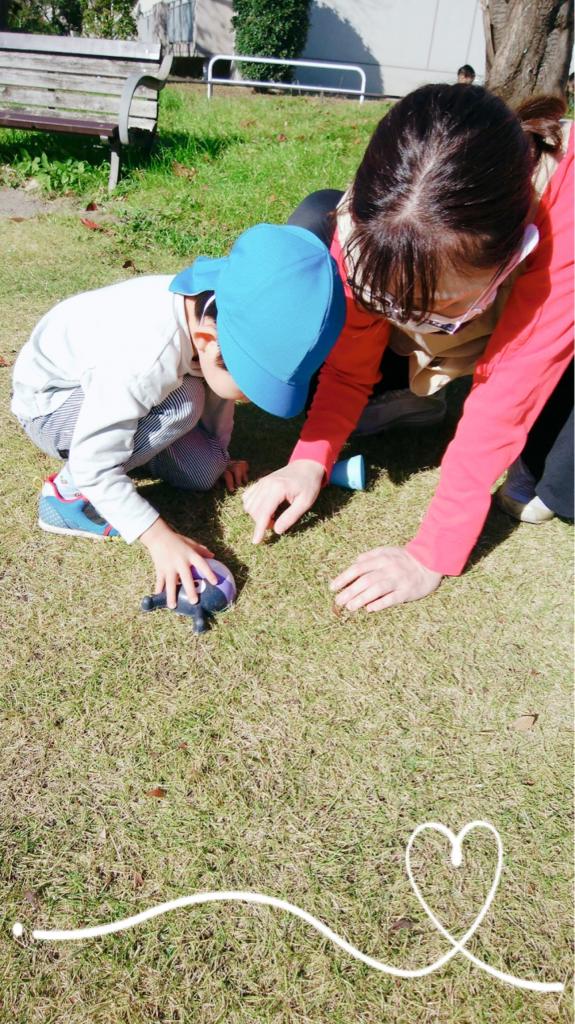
(525, 358)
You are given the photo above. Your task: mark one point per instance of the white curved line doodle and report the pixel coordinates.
(239, 896)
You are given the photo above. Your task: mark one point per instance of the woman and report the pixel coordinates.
(455, 245)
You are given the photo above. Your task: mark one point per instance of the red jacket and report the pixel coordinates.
(526, 355)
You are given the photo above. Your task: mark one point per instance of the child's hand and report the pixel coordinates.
(172, 555)
(236, 474)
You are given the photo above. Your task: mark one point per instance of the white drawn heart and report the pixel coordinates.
(456, 843)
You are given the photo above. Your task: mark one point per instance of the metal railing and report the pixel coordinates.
(234, 58)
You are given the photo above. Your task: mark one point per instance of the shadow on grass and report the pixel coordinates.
(405, 451)
(170, 145)
(401, 453)
(267, 443)
(167, 146)
(497, 528)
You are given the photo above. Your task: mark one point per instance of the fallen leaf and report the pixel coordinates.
(281, 137)
(107, 877)
(524, 723)
(247, 124)
(31, 897)
(528, 782)
(17, 220)
(102, 836)
(138, 880)
(4, 362)
(181, 171)
(272, 198)
(92, 206)
(128, 265)
(158, 792)
(183, 745)
(91, 224)
(402, 924)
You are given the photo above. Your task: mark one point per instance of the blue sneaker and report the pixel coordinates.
(73, 516)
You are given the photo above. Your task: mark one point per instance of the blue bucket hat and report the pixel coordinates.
(281, 307)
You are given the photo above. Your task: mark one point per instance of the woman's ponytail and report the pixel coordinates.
(540, 118)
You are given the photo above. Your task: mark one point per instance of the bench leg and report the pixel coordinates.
(114, 164)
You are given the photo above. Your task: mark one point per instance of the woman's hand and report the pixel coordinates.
(236, 474)
(173, 555)
(299, 484)
(381, 578)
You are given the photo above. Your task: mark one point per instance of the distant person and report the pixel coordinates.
(466, 75)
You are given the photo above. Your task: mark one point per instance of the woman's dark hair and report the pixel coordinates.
(200, 302)
(445, 183)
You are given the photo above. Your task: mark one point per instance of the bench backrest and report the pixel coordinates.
(75, 77)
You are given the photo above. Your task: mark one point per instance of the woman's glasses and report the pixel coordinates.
(437, 322)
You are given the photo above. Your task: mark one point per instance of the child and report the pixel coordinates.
(138, 374)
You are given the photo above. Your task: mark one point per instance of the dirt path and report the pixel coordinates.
(18, 204)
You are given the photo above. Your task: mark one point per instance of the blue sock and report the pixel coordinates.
(520, 483)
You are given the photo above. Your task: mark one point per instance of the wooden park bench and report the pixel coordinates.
(102, 87)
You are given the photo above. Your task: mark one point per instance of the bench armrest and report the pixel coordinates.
(156, 81)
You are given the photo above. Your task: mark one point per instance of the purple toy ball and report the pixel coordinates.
(219, 597)
(212, 597)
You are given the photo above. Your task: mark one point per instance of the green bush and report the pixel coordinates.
(47, 18)
(266, 28)
(108, 19)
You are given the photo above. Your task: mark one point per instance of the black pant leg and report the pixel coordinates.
(316, 213)
(548, 452)
(555, 487)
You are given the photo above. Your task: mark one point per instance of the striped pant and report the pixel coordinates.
(170, 442)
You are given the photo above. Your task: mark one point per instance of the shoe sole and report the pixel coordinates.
(64, 531)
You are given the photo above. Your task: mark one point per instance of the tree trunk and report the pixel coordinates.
(3, 15)
(528, 46)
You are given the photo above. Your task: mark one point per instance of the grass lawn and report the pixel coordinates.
(297, 749)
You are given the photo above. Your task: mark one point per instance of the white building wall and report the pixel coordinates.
(192, 28)
(400, 44)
